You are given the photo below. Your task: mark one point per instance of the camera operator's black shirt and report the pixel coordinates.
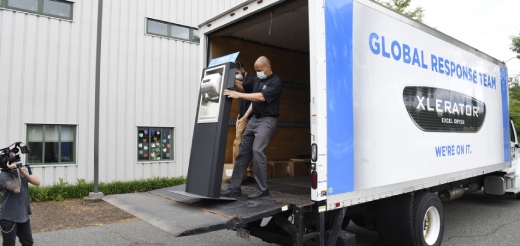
(271, 89)
(243, 105)
(15, 207)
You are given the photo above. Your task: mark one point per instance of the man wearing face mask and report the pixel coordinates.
(243, 83)
(265, 106)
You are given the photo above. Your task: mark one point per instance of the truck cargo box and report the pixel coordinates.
(393, 105)
(395, 116)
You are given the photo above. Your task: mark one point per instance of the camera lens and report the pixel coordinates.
(25, 149)
(14, 159)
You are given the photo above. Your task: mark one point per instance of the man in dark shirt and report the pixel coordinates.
(243, 82)
(265, 106)
(16, 205)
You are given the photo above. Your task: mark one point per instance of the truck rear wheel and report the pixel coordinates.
(428, 215)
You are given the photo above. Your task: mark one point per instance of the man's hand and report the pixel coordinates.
(30, 178)
(23, 172)
(239, 86)
(10, 166)
(232, 94)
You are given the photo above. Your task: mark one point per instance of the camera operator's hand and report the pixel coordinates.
(30, 178)
(11, 165)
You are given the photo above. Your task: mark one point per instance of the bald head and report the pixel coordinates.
(263, 61)
(262, 64)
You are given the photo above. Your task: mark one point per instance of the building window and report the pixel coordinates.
(171, 30)
(54, 8)
(51, 144)
(154, 144)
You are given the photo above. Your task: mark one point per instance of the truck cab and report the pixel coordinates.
(513, 169)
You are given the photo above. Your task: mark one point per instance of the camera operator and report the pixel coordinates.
(16, 207)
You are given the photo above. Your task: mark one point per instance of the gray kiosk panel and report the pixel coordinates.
(210, 134)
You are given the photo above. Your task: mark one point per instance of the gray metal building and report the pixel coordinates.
(150, 67)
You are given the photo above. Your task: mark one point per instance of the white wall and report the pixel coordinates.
(47, 69)
(47, 76)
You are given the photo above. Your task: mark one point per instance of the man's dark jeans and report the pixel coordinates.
(22, 230)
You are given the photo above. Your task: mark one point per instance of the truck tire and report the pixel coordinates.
(428, 219)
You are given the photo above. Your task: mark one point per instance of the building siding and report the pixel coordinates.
(47, 74)
(47, 67)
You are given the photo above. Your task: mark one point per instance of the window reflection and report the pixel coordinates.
(31, 5)
(58, 8)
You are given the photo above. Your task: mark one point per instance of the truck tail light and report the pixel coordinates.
(314, 177)
(314, 149)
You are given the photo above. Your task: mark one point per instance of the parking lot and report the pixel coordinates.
(474, 219)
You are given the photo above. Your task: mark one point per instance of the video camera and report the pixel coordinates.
(17, 149)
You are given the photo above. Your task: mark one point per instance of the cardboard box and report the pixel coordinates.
(297, 168)
(279, 168)
(308, 163)
(228, 171)
(269, 171)
(250, 170)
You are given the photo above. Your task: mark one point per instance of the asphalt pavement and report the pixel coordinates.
(135, 233)
(474, 219)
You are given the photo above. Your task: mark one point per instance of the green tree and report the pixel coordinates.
(514, 106)
(514, 92)
(401, 6)
(515, 45)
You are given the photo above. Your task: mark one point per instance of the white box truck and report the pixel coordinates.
(397, 118)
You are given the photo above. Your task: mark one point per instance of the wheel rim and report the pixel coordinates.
(431, 225)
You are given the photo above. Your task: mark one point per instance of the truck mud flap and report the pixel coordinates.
(182, 216)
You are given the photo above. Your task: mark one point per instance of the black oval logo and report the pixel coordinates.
(440, 110)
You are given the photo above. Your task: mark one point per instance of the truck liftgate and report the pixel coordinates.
(183, 216)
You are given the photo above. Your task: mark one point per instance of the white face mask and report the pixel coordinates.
(261, 75)
(239, 77)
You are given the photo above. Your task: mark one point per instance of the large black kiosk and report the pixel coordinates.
(208, 146)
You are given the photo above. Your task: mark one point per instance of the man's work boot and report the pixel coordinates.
(258, 193)
(230, 192)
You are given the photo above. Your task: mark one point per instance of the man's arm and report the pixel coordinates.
(11, 184)
(252, 97)
(14, 186)
(30, 178)
(239, 86)
(248, 112)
